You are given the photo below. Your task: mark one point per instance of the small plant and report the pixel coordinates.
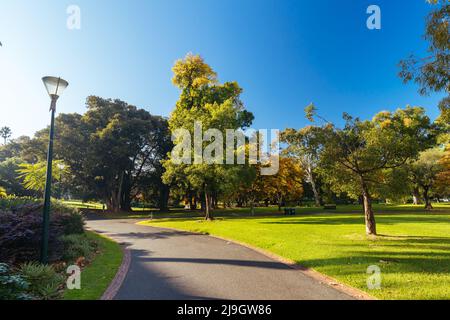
(71, 221)
(78, 245)
(44, 281)
(51, 291)
(12, 287)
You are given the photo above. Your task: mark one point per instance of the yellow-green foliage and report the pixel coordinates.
(3, 193)
(34, 175)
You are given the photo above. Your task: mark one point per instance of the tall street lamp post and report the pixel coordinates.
(55, 87)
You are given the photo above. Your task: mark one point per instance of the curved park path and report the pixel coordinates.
(177, 265)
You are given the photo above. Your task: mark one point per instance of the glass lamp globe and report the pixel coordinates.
(55, 86)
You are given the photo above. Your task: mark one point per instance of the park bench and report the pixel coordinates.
(289, 211)
(330, 207)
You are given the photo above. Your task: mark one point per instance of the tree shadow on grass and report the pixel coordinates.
(425, 242)
(357, 219)
(388, 261)
(414, 254)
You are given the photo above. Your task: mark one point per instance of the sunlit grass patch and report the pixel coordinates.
(412, 250)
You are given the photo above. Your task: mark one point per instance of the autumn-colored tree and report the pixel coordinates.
(286, 185)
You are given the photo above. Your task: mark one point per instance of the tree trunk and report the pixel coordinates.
(314, 187)
(192, 201)
(371, 228)
(416, 196)
(280, 202)
(202, 203)
(164, 198)
(208, 211)
(426, 198)
(214, 201)
(113, 203)
(125, 193)
(115, 197)
(126, 204)
(252, 206)
(316, 193)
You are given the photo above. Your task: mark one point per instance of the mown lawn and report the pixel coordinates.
(412, 250)
(241, 212)
(96, 277)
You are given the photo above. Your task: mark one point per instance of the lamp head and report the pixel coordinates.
(55, 86)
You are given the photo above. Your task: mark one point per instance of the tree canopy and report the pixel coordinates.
(432, 72)
(214, 106)
(111, 148)
(354, 157)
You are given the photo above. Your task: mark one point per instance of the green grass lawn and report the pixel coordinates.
(96, 277)
(82, 205)
(241, 212)
(413, 249)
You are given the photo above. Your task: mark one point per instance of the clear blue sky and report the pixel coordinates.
(285, 54)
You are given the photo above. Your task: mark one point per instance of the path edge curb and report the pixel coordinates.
(116, 283)
(324, 279)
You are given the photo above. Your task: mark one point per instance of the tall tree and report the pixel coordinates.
(304, 146)
(216, 106)
(357, 154)
(110, 149)
(432, 73)
(5, 133)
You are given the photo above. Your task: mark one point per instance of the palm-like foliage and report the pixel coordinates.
(34, 175)
(5, 133)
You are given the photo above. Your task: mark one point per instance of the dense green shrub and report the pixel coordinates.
(78, 245)
(44, 282)
(71, 222)
(12, 287)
